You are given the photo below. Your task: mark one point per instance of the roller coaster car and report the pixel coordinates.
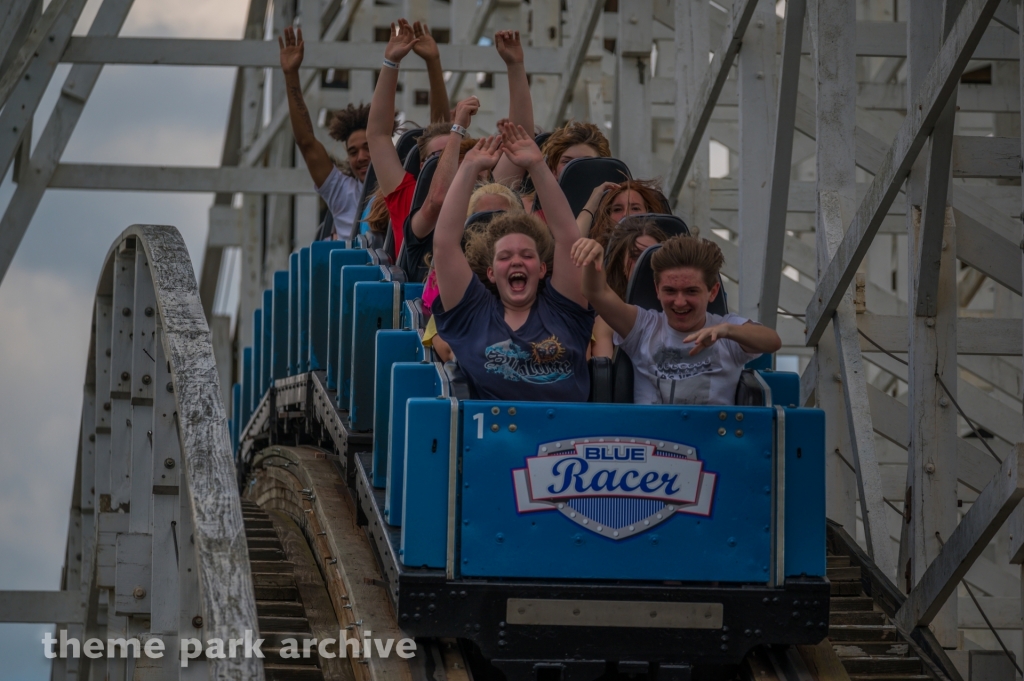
(558, 536)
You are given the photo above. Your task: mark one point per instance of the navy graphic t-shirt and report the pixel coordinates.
(543, 360)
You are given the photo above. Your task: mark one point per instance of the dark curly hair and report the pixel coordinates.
(346, 121)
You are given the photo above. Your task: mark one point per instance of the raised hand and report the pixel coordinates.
(707, 337)
(595, 196)
(292, 49)
(465, 110)
(426, 48)
(509, 47)
(401, 42)
(519, 146)
(586, 251)
(485, 155)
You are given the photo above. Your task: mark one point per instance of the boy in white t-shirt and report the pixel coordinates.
(683, 354)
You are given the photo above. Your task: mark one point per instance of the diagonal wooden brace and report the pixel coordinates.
(940, 83)
(992, 507)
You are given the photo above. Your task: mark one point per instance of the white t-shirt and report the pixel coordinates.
(665, 373)
(341, 194)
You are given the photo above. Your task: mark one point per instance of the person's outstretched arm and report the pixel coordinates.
(450, 265)
(317, 161)
(424, 220)
(380, 127)
(426, 49)
(520, 101)
(753, 338)
(588, 255)
(520, 149)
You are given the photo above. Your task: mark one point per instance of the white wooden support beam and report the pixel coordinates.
(692, 44)
(699, 115)
(575, 55)
(987, 157)
(42, 607)
(858, 413)
(471, 35)
(974, 335)
(182, 179)
(545, 30)
(50, 146)
(53, 29)
(265, 54)
(758, 90)
(965, 544)
(23, 82)
(937, 158)
(889, 418)
(16, 20)
(631, 133)
(782, 168)
(987, 251)
(936, 89)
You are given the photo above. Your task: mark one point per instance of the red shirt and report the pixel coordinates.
(399, 203)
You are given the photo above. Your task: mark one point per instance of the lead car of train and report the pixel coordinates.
(554, 540)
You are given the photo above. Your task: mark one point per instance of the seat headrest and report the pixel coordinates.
(369, 186)
(407, 142)
(642, 292)
(542, 138)
(581, 175)
(423, 180)
(482, 217)
(412, 161)
(670, 224)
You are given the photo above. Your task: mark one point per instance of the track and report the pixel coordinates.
(315, 574)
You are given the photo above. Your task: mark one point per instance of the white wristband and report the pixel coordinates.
(458, 129)
(391, 64)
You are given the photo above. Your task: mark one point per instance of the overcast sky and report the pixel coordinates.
(142, 115)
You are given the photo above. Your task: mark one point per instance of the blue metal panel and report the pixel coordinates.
(319, 299)
(236, 415)
(257, 354)
(338, 259)
(246, 386)
(349, 276)
(374, 305)
(805, 492)
(293, 314)
(392, 346)
(785, 387)
(425, 526)
(303, 362)
(407, 381)
(268, 339)
(763, 363)
(279, 345)
(409, 292)
(633, 506)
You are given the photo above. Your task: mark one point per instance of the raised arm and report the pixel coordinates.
(380, 127)
(521, 150)
(317, 161)
(520, 100)
(588, 255)
(450, 265)
(424, 220)
(426, 49)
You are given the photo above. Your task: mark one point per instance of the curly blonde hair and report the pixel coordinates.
(569, 135)
(515, 203)
(480, 243)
